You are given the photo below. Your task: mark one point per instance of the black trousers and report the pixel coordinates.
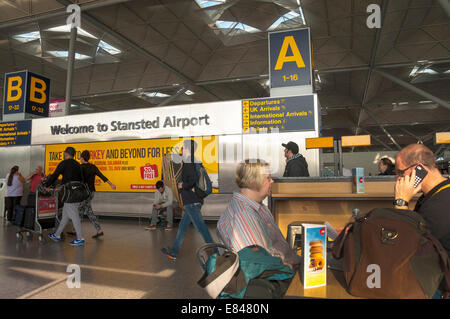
(10, 205)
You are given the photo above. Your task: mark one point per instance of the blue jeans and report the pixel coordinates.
(191, 213)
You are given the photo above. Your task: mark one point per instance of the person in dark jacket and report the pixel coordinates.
(192, 203)
(296, 165)
(70, 170)
(89, 173)
(386, 167)
(434, 204)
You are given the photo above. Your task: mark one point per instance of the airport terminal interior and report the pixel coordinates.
(130, 80)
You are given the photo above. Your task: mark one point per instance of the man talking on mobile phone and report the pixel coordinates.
(434, 204)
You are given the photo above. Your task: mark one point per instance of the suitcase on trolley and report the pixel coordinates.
(29, 217)
(19, 216)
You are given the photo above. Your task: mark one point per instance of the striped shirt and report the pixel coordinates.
(246, 222)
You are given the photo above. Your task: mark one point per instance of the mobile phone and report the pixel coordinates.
(420, 175)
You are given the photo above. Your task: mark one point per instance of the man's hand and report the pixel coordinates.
(157, 206)
(404, 188)
(180, 185)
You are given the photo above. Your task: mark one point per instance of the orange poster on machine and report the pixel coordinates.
(135, 166)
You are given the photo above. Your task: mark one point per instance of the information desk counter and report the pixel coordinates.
(331, 199)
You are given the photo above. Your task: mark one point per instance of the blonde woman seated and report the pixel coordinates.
(247, 221)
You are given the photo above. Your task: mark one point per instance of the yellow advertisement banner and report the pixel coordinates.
(135, 166)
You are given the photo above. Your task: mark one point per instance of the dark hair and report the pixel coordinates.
(417, 153)
(159, 184)
(86, 155)
(70, 150)
(12, 172)
(387, 162)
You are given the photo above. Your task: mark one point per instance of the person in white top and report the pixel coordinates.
(164, 201)
(14, 184)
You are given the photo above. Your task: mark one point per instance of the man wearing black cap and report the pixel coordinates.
(70, 170)
(296, 165)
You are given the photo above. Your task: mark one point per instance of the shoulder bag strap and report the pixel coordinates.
(340, 240)
(215, 282)
(444, 261)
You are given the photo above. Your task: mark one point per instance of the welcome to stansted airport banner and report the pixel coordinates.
(135, 166)
(190, 120)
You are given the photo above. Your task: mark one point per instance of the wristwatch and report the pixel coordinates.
(400, 202)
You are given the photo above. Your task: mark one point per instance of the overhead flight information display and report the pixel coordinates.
(281, 114)
(16, 133)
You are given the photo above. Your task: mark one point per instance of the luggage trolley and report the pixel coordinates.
(46, 215)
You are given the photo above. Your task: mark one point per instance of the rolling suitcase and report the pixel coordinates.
(29, 217)
(19, 217)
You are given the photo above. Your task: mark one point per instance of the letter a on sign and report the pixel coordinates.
(289, 42)
(290, 58)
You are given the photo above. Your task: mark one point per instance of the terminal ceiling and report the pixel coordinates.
(144, 53)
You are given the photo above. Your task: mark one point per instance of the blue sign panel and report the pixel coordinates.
(14, 93)
(290, 58)
(283, 114)
(15, 133)
(38, 95)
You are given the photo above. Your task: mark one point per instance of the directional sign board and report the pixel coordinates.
(283, 114)
(290, 58)
(15, 133)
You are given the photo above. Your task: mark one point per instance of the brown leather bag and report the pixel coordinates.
(412, 263)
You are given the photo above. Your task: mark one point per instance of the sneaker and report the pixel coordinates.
(169, 228)
(77, 242)
(98, 235)
(166, 252)
(151, 227)
(53, 236)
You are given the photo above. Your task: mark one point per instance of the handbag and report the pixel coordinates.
(75, 192)
(411, 262)
(251, 273)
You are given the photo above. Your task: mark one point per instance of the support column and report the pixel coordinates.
(336, 158)
(341, 159)
(70, 66)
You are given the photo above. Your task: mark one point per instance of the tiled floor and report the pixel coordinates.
(125, 263)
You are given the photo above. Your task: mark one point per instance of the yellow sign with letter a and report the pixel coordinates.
(290, 58)
(135, 166)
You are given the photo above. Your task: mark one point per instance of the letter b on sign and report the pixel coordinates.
(38, 93)
(14, 89)
(38, 89)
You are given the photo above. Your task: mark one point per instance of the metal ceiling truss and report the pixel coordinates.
(373, 56)
(57, 14)
(445, 4)
(139, 49)
(414, 89)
